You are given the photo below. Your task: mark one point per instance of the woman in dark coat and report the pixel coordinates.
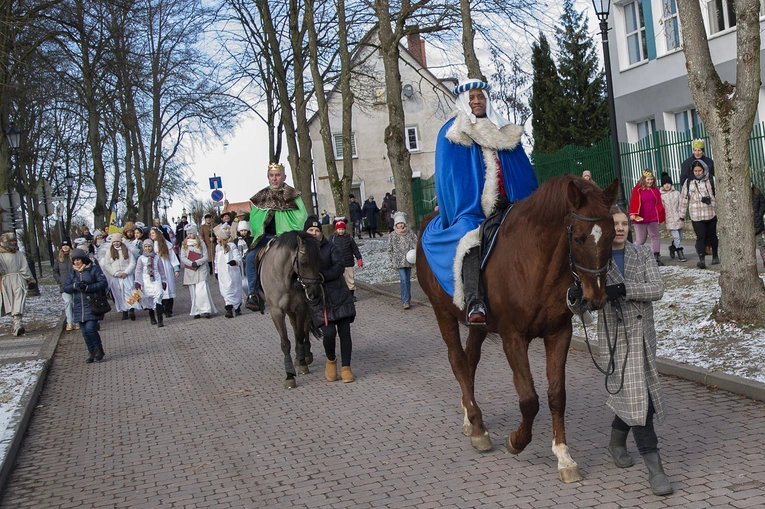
(370, 211)
(336, 313)
(86, 279)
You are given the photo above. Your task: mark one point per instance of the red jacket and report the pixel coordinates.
(636, 205)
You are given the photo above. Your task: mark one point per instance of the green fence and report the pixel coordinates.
(424, 196)
(661, 151)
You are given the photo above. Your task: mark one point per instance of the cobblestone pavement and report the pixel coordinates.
(195, 415)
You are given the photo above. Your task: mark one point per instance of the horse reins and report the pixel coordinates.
(305, 281)
(611, 366)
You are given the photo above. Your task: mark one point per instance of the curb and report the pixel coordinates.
(711, 379)
(21, 417)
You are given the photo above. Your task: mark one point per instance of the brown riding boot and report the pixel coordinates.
(346, 374)
(330, 371)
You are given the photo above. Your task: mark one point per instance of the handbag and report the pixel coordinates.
(99, 305)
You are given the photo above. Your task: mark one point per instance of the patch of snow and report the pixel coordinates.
(14, 380)
(377, 266)
(44, 310)
(687, 333)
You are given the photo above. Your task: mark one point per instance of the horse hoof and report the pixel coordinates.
(509, 444)
(290, 384)
(569, 474)
(481, 442)
(309, 359)
(303, 370)
(467, 429)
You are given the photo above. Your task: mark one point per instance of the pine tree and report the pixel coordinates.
(545, 102)
(584, 116)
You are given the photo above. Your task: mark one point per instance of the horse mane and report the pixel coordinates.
(549, 203)
(290, 240)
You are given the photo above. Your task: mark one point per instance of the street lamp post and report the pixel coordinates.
(14, 142)
(69, 180)
(602, 9)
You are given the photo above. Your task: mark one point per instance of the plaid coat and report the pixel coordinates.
(636, 335)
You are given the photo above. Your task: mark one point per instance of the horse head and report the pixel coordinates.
(590, 235)
(306, 266)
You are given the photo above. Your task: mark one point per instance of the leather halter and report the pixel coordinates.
(303, 280)
(572, 261)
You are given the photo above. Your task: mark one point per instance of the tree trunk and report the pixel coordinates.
(398, 154)
(728, 113)
(468, 46)
(342, 190)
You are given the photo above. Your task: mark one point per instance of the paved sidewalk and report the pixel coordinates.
(195, 415)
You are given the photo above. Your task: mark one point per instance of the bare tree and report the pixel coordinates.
(728, 111)
(468, 42)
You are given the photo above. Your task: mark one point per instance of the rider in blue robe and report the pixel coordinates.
(479, 163)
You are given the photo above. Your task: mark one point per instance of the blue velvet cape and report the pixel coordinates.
(460, 179)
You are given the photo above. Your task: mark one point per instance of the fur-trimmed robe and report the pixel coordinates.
(284, 206)
(466, 187)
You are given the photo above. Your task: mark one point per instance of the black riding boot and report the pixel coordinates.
(471, 279)
(701, 263)
(160, 311)
(152, 317)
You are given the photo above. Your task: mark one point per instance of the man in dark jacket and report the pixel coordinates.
(698, 155)
(335, 314)
(180, 232)
(355, 213)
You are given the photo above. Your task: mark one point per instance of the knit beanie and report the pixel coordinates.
(665, 178)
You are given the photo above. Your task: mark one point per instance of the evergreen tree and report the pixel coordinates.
(584, 115)
(545, 100)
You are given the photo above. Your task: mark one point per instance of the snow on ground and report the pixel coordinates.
(377, 266)
(44, 311)
(14, 380)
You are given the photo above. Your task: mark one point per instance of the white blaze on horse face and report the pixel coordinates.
(596, 232)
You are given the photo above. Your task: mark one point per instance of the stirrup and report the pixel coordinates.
(476, 314)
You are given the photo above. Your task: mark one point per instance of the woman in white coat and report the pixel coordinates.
(119, 264)
(150, 278)
(195, 271)
(164, 250)
(228, 262)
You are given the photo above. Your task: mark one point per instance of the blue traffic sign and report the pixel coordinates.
(217, 195)
(216, 183)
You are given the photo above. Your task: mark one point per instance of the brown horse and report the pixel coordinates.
(561, 232)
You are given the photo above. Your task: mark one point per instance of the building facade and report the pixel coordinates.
(427, 103)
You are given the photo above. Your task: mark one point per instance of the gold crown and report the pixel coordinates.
(648, 174)
(697, 144)
(275, 167)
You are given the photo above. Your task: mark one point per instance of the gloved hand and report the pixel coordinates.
(82, 286)
(575, 292)
(194, 265)
(360, 263)
(137, 286)
(232, 263)
(164, 286)
(613, 292)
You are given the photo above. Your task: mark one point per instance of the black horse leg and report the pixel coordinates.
(278, 318)
(300, 343)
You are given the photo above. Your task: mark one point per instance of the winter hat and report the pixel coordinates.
(399, 217)
(129, 226)
(698, 144)
(139, 225)
(311, 222)
(79, 254)
(243, 225)
(586, 173)
(149, 242)
(371, 197)
(665, 178)
(79, 240)
(98, 233)
(208, 216)
(190, 228)
(66, 242)
(340, 225)
(116, 237)
(222, 231)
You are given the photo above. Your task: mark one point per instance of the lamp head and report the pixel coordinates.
(14, 137)
(602, 8)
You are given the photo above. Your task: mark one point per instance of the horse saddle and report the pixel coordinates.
(260, 253)
(489, 229)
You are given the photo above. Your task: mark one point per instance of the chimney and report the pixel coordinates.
(416, 47)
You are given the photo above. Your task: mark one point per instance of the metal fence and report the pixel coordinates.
(424, 196)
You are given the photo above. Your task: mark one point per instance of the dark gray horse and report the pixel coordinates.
(289, 275)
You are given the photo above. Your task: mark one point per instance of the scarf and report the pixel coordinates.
(401, 232)
(150, 265)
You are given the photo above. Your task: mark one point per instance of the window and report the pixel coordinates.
(411, 139)
(671, 26)
(637, 46)
(722, 15)
(337, 144)
(686, 120)
(646, 128)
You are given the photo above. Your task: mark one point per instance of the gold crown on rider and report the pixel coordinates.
(697, 144)
(648, 174)
(275, 167)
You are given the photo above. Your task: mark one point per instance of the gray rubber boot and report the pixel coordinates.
(618, 448)
(658, 480)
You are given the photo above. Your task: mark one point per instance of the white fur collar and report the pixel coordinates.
(483, 132)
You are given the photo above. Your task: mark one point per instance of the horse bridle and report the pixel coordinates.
(611, 367)
(303, 280)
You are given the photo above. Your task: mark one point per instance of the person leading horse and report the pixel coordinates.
(481, 168)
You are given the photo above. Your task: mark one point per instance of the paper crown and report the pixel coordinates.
(697, 144)
(648, 174)
(275, 167)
